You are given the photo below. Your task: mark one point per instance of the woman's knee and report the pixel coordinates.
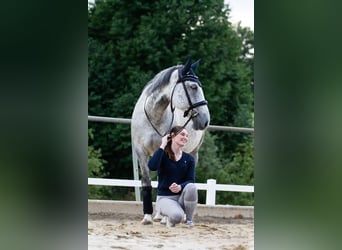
(176, 217)
(190, 192)
(191, 188)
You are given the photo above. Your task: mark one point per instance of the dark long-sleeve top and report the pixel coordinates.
(181, 172)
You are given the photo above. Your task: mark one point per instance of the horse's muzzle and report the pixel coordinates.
(200, 121)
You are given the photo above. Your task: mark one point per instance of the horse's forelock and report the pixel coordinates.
(160, 80)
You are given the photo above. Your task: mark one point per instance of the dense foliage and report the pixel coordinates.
(95, 167)
(131, 41)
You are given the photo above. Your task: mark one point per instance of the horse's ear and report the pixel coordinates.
(186, 66)
(195, 65)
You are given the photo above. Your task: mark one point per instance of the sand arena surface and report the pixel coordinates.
(122, 231)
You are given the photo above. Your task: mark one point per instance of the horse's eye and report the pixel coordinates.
(193, 86)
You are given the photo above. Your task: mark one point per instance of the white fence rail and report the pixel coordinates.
(211, 187)
(128, 121)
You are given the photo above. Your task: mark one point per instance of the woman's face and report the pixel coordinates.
(181, 138)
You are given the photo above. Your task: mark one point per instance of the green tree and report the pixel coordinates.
(247, 52)
(95, 169)
(131, 41)
(208, 163)
(238, 171)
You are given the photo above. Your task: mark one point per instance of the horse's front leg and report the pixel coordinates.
(146, 194)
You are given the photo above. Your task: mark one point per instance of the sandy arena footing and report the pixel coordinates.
(116, 225)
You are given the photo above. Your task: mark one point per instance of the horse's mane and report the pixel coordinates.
(160, 80)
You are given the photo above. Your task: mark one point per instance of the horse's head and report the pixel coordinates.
(188, 96)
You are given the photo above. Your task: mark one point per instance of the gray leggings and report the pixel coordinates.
(175, 206)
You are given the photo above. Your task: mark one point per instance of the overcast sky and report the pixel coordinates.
(241, 10)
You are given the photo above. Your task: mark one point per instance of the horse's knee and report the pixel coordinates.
(145, 181)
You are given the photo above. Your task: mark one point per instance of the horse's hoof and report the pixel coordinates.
(147, 219)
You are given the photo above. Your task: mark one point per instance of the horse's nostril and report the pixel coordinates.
(206, 124)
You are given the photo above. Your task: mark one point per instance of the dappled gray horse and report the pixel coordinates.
(173, 97)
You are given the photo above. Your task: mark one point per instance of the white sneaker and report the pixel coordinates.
(189, 223)
(157, 217)
(184, 219)
(163, 220)
(169, 224)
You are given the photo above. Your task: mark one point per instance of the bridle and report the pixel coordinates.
(181, 79)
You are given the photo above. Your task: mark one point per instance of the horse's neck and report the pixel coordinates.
(157, 107)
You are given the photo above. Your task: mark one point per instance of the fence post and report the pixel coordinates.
(211, 192)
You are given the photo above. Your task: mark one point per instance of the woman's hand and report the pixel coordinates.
(165, 139)
(175, 188)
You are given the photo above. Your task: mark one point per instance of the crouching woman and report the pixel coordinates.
(177, 194)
